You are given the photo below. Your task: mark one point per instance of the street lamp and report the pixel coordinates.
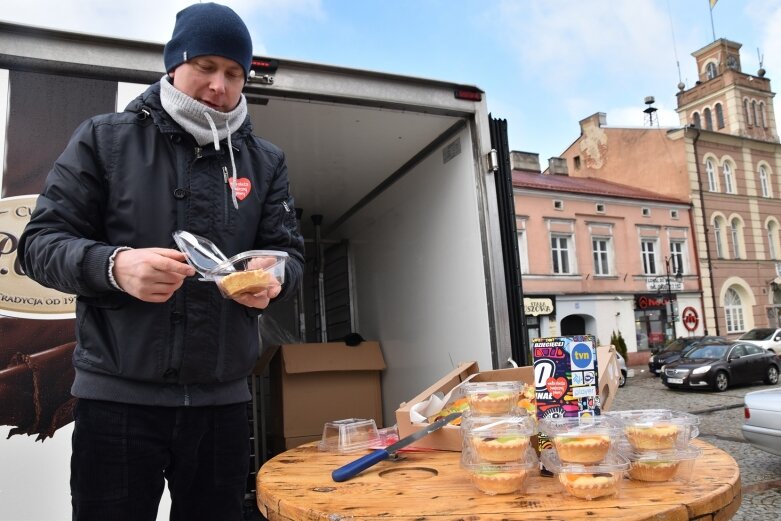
(672, 306)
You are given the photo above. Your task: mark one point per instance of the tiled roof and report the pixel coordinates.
(586, 185)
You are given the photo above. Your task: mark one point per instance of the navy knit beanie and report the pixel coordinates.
(208, 29)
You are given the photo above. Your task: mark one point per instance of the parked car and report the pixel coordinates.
(675, 349)
(762, 420)
(767, 337)
(622, 368)
(717, 365)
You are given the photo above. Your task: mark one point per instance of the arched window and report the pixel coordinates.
(718, 232)
(735, 234)
(696, 120)
(754, 112)
(729, 186)
(745, 113)
(711, 172)
(773, 246)
(710, 70)
(762, 114)
(764, 182)
(719, 116)
(733, 311)
(708, 119)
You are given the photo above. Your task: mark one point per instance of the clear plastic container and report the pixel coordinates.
(492, 398)
(661, 466)
(657, 429)
(586, 440)
(249, 272)
(349, 435)
(498, 439)
(588, 481)
(500, 478)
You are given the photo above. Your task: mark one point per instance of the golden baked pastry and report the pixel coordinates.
(503, 449)
(653, 470)
(652, 437)
(494, 402)
(250, 281)
(502, 482)
(590, 486)
(586, 449)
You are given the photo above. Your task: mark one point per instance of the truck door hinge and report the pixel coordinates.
(493, 160)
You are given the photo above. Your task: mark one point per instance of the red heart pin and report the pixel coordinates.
(557, 386)
(242, 187)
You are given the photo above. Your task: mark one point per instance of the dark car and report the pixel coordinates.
(717, 365)
(675, 349)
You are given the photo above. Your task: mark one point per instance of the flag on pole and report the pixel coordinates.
(713, 3)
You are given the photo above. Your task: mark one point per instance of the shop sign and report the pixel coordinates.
(661, 283)
(539, 305)
(20, 296)
(690, 318)
(652, 301)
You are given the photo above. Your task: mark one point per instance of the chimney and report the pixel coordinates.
(557, 166)
(598, 119)
(527, 161)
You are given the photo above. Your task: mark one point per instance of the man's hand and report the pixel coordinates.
(151, 274)
(261, 299)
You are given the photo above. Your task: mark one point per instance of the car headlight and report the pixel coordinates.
(701, 370)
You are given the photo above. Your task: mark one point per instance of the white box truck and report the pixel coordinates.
(404, 201)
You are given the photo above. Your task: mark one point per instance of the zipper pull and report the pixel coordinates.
(225, 174)
(287, 208)
(198, 152)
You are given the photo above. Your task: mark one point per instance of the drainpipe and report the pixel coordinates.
(707, 237)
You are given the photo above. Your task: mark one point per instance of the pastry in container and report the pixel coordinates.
(498, 439)
(588, 481)
(585, 440)
(492, 398)
(657, 429)
(500, 478)
(249, 272)
(662, 466)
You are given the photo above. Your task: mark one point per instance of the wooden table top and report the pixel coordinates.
(297, 485)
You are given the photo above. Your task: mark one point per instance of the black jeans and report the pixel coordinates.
(122, 455)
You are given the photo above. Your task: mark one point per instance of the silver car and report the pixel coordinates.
(762, 420)
(622, 368)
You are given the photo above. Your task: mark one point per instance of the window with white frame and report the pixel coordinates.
(773, 243)
(735, 233)
(711, 172)
(523, 252)
(600, 247)
(677, 256)
(718, 232)
(648, 252)
(764, 182)
(733, 311)
(729, 186)
(710, 70)
(560, 254)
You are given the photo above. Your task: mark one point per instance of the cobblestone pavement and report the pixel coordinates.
(721, 416)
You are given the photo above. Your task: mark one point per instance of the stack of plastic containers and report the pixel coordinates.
(585, 456)
(657, 443)
(497, 452)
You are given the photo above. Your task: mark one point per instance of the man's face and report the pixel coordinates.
(212, 80)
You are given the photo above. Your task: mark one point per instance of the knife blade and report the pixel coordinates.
(345, 472)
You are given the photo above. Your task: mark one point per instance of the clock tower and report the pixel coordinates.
(724, 98)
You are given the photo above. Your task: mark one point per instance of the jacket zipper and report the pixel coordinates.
(226, 193)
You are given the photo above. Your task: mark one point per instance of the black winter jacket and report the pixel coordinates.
(132, 179)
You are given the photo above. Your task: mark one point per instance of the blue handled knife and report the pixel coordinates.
(345, 472)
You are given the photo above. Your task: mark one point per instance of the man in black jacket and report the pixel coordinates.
(162, 359)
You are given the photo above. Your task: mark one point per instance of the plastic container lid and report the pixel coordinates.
(349, 435)
(579, 426)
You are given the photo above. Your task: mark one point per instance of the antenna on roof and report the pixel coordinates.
(650, 110)
(675, 46)
(761, 58)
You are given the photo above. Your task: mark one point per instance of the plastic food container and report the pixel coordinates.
(349, 435)
(497, 439)
(662, 466)
(249, 272)
(585, 440)
(500, 478)
(657, 429)
(492, 398)
(588, 481)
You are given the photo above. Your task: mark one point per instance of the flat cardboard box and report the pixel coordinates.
(312, 384)
(449, 436)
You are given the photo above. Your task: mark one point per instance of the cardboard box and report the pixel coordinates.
(311, 384)
(449, 436)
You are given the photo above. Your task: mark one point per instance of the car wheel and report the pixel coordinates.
(721, 381)
(772, 375)
(622, 379)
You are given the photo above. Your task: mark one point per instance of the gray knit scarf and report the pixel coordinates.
(198, 120)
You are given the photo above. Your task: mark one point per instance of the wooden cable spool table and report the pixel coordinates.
(431, 485)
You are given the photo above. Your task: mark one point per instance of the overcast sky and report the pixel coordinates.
(544, 64)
